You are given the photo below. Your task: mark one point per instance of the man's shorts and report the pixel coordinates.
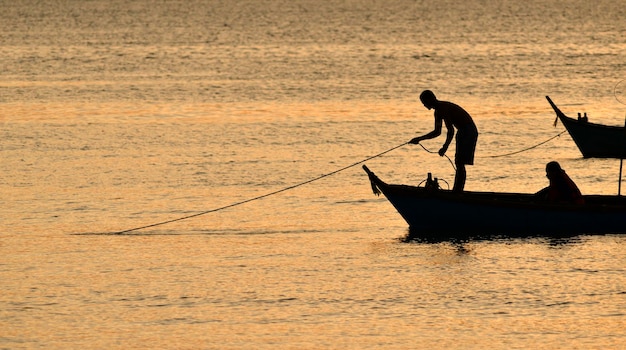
(466, 146)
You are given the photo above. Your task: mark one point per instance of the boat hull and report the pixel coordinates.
(443, 213)
(594, 140)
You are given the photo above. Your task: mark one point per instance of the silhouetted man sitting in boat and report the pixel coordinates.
(466, 136)
(561, 188)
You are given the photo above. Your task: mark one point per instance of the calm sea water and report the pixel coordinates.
(117, 115)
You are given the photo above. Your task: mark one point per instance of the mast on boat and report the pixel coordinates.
(621, 160)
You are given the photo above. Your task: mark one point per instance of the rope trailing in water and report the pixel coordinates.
(527, 149)
(258, 197)
(313, 180)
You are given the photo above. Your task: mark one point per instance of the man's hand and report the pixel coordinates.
(415, 140)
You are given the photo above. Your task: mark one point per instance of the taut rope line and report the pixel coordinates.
(308, 182)
(527, 149)
(503, 155)
(258, 197)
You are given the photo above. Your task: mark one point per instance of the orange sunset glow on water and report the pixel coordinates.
(188, 174)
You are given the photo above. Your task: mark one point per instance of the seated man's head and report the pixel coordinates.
(553, 169)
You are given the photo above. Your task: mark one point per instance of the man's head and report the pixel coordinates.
(428, 99)
(553, 169)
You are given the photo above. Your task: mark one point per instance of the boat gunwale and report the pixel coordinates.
(508, 199)
(593, 202)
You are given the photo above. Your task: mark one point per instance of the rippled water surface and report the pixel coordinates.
(119, 115)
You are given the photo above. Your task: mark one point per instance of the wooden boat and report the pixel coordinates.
(594, 140)
(434, 213)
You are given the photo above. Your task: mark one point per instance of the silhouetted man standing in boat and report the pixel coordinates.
(466, 136)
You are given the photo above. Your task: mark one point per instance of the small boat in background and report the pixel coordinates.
(436, 214)
(594, 140)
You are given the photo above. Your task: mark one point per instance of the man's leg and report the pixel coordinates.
(459, 178)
